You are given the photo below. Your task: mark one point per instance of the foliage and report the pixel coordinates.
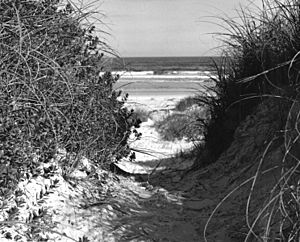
(186, 103)
(139, 114)
(182, 125)
(51, 92)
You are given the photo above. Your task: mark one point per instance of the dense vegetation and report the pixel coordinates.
(260, 63)
(51, 93)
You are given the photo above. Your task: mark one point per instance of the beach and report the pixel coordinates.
(158, 94)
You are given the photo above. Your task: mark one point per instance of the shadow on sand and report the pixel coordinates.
(168, 203)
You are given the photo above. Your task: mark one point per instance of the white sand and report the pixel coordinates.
(154, 103)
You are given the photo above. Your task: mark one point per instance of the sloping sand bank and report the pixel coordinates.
(210, 204)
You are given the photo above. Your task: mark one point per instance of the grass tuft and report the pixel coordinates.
(184, 122)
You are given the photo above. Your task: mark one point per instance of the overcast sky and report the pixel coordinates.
(165, 27)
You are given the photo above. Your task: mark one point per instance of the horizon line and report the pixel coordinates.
(193, 56)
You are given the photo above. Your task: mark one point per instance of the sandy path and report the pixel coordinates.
(112, 208)
(157, 207)
(165, 204)
(168, 205)
(163, 211)
(173, 203)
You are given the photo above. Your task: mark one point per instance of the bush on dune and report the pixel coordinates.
(52, 95)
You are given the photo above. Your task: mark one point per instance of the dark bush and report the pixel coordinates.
(51, 92)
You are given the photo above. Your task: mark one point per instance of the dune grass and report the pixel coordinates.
(261, 62)
(184, 122)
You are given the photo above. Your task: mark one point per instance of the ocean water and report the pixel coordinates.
(161, 64)
(164, 76)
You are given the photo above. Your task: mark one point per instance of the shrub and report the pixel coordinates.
(140, 114)
(181, 125)
(185, 103)
(51, 92)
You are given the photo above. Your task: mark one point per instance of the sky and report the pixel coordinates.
(165, 27)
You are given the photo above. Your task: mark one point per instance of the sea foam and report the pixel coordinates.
(164, 76)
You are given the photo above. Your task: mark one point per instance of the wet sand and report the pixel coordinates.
(150, 88)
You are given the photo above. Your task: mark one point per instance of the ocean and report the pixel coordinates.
(161, 64)
(163, 76)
